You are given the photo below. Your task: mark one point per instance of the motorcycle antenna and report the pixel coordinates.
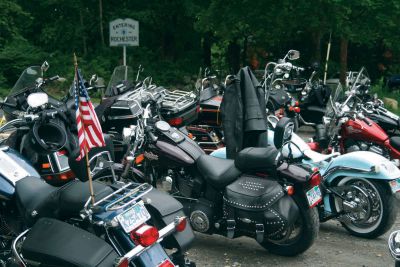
(328, 51)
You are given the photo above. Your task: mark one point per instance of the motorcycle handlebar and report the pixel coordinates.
(150, 134)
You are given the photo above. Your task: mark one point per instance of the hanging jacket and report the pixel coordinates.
(243, 114)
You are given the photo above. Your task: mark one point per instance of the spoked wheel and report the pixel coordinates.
(297, 238)
(370, 210)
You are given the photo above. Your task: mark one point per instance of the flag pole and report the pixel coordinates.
(84, 132)
(328, 51)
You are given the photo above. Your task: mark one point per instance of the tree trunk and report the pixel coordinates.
(207, 42)
(344, 43)
(101, 22)
(244, 55)
(316, 39)
(84, 45)
(233, 56)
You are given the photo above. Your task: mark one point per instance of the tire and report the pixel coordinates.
(309, 231)
(295, 121)
(387, 208)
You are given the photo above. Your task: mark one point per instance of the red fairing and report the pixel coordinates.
(359, 130)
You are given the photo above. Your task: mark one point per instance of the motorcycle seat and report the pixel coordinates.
(395, 142)
(219, 172)
(37, 199)
(257, 159)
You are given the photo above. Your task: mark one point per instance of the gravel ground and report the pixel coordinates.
(333, 247)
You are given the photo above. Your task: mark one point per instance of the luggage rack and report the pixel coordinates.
(178, 98)
(121, 198)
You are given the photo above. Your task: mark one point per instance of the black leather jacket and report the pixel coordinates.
(243, 114)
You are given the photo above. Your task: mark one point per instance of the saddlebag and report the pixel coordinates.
(55, 243)
(258, 207)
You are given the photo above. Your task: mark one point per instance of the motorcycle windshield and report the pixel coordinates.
(122, 79)
(336, 97)
(362, 78)
(28, 78)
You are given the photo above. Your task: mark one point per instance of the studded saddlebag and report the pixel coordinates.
(258, 207)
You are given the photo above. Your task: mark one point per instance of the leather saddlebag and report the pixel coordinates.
(55, 243)
(258, 207)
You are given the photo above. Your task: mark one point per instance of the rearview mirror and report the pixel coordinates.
(93, 79)
(37, 99)
(283, 132)
(293, 55)
(45, 66)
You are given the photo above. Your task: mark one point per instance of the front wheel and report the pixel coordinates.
(300, 237)
(374, 210)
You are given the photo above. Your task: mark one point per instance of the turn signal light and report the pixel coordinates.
(145, 235)
(315, 179)
(181, 224)
(176, 121)
(289, 190)
(139, 159)
(166, 263)
(124, 262)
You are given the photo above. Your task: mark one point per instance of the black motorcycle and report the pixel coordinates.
(124, 224)
(256, 195)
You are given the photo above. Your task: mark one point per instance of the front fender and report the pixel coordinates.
(360, 164)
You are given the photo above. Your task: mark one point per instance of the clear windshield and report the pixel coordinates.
(362, 78)
(122, 76)
(27, 79)
(337, 96)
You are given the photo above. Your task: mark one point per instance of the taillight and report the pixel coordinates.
(124, 262)
(181, 224)
(296, 103)
(296, 109)
(145, 235)
(176, 121)
(166, 263)
(289, 190)
(315, 179)
(139, 159)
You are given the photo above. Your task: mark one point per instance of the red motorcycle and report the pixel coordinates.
(346, 129)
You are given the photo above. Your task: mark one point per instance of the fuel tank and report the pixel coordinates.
(170, 154)
(13, 167)
(361, 130)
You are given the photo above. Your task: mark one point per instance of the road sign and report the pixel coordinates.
(124, 32)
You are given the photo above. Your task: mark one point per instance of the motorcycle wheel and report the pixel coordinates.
(305, 232)
(378, 208)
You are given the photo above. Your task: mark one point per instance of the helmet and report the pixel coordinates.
(48, 136)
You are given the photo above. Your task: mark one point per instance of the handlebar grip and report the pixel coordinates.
(54, 78)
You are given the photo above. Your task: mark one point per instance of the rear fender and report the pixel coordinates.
(361, 164)
(164, 209)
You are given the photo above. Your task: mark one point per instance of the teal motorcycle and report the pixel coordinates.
(358, 188)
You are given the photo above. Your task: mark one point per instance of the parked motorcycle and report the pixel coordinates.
(394, 247)
(347, 129)
(256, 195)
(127, 224)
(358, 188)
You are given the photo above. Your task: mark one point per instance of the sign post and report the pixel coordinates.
(124, 32)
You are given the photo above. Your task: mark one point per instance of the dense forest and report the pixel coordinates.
(177, 37)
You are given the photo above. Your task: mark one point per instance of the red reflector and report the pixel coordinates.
(296, 103)
(166, 263)
(181, 225)
(315, 179)
(291, 108)
(290, 190)
(124, 262)
(176, 121)
(145, 235)
(198, 109)
(62, 152)
(296, 109)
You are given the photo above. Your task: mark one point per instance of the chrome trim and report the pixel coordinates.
(344, 168)
(209, 143)
(2, 128)
(14, 248)
(170, 228)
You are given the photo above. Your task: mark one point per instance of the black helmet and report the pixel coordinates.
(48, 136)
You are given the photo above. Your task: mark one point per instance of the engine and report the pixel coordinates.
(352, 146)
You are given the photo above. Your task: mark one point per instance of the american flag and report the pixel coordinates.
(89, 129)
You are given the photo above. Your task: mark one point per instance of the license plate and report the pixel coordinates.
(314, 196)
(134, 217)
(395, 185)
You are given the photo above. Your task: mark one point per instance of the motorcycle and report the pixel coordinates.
(358, 188)
(128, 224)
(394, 247)
(347, 129)
(272, 203)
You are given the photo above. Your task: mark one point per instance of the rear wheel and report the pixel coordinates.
(375, 210)
(300, 237)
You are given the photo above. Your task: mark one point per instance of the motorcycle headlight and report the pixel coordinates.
(128, 133)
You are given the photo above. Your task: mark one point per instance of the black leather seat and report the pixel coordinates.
(37, 199)
(219, 172)
(257, 159)
(395, 142)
